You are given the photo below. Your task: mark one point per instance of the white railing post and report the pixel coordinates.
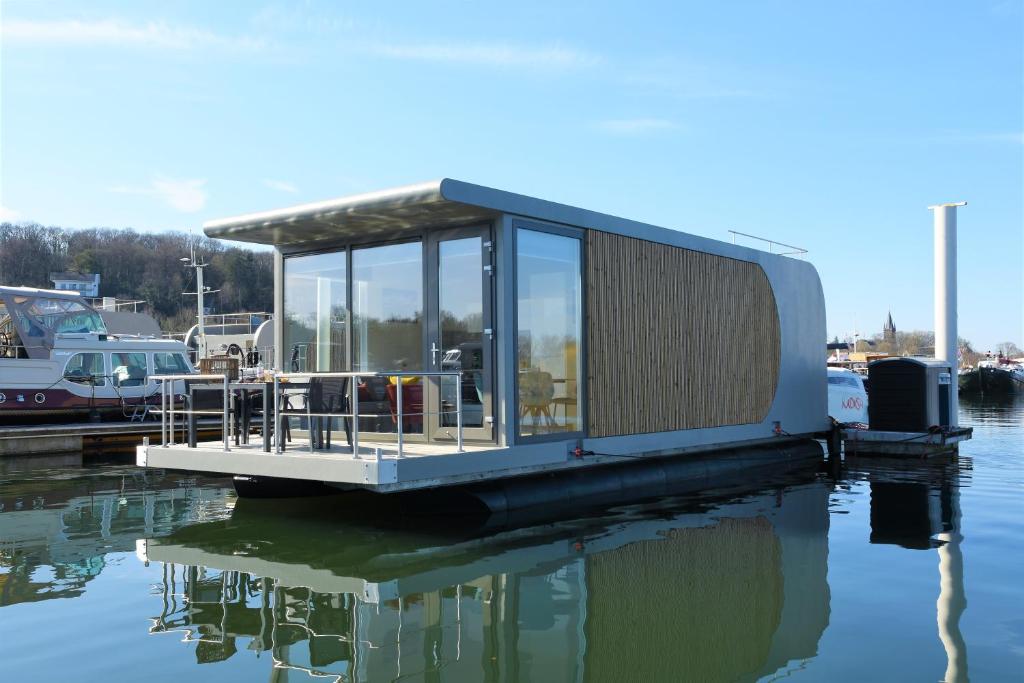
(163, 414)
(227, 413)
(277, 415)
(399, 410)
(170, 415)
(458, 408)
(355, 417)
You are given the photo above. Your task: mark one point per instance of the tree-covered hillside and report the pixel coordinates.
(145, 266)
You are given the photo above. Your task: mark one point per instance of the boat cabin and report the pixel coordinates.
(59, 358)
(542, 332)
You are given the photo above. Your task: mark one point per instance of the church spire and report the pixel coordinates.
(889, 329)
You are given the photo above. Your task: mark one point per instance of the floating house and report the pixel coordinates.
(495, 335)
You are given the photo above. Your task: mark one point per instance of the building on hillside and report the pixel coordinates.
(86, 284)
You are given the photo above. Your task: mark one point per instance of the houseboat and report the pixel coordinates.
(471, 334)
(59, 360)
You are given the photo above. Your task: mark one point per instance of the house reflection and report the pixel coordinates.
(732, 592)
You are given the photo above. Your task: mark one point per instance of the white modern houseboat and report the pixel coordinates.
(58, 359)
(491, 335)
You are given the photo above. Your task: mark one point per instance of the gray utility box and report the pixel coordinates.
(908, 394)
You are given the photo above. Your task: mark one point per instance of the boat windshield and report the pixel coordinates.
(63, 316)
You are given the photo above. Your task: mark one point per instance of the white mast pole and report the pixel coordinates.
(199, 298)
(945, 296)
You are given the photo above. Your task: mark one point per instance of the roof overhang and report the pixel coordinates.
(383, 215)
(406, 211)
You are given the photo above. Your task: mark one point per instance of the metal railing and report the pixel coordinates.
(280, 382)
(167, 405)
(796, 250)
(354, 404)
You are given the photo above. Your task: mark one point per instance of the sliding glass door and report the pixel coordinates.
(460, 332)
(420, 305)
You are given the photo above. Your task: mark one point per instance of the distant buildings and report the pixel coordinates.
(88, 285)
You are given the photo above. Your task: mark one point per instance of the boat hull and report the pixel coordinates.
(986, 380)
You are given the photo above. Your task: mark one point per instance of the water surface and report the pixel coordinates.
(891, 571)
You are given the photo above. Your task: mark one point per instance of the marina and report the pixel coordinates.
(178, 570)
(700, 368)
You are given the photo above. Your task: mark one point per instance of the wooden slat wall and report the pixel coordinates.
(676, 339)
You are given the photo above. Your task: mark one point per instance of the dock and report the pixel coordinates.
(75, 437)
(904, 444)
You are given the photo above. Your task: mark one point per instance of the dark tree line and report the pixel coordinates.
(146, 266)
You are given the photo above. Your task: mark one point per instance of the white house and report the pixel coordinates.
(87, 284)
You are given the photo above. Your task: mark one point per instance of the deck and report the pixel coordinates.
(377, 467)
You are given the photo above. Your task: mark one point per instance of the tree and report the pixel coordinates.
(1009, 349)
(135, 265)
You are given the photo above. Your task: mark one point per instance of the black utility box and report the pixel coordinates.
(908, 394)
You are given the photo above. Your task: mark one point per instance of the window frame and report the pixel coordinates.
(578, 234)
(152, 363)
(146, 360)
(104, 369)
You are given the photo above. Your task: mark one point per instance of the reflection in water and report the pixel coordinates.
(734, 593)
(917, 506)
(56, 532)
(697, 588)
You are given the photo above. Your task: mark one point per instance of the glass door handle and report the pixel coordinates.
(434, 350)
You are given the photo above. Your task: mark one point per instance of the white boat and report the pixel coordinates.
(847, 399)
(58, 358)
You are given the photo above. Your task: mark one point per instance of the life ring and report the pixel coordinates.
(3, 397)
(40, 397)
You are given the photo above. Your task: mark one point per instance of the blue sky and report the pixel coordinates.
(831, 126)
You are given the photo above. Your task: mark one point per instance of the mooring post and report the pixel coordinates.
(944, 216)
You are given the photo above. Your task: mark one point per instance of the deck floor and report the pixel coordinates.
(367, 448)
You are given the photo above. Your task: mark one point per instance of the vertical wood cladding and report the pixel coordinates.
(676, 339)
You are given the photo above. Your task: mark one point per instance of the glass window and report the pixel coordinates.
(549, 330)
(314, 313)
(387, 307)
(170, 364)
(86, 368)
(461, 321)
(128, 369)
(61, 315)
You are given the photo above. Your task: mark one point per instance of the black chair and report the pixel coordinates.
(327, 395)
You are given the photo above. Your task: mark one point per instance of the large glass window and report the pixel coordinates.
(315, 316)
(61, 315)
(549, 330)
(387, 307)
(128, 369)
(169, 364)
(86, 368)
(461, 322)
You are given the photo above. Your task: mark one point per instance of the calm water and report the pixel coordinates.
(891, 572)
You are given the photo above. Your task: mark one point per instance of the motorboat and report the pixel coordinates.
(847, 398)
(59, 359)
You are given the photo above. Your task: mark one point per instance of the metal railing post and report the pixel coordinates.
(277, 415)
(458, 408)
(227, 409)
(170, 414)
(355, 417)
(163, 413)
(399, 409)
